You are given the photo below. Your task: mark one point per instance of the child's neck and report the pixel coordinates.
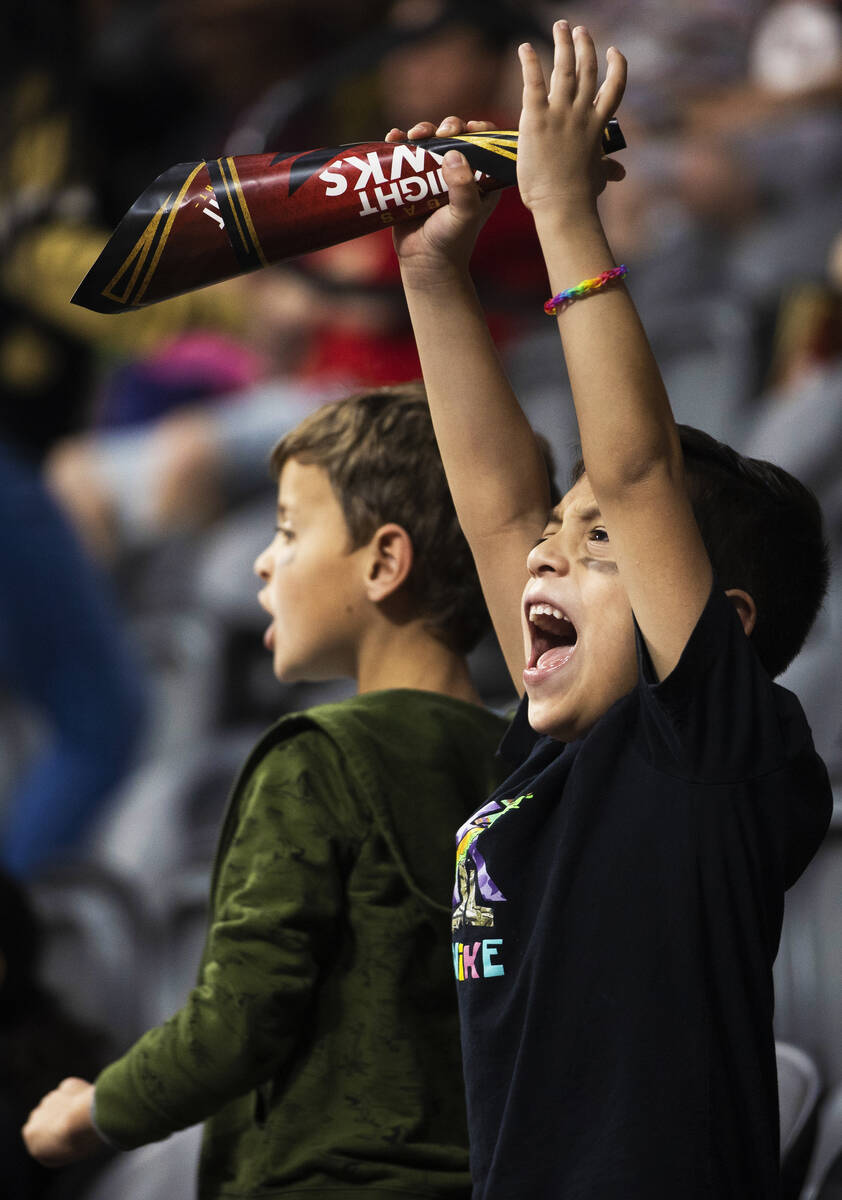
(409, 657)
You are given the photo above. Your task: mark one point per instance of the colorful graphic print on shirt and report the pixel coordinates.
(473, 881)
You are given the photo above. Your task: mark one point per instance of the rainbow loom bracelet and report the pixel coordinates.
(559, 302)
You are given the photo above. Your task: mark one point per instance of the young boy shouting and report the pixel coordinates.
(321, 1042)
(618, 900)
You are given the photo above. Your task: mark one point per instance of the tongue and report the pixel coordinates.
(556, 657)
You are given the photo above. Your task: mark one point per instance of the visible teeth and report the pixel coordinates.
(546, 610)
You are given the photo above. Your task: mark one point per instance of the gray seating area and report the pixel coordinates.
(799, 1091)
(824, 1180)
(160, 1171)
(808, 969)
(99, 928)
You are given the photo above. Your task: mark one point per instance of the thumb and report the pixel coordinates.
(464, 193)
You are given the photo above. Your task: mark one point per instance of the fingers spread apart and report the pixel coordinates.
(574, 75)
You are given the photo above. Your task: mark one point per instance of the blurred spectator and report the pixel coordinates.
(797, 422)
(736, 169)
(62, 652)
(191, 367)
(331, 320)
(39, 1045)
(808, 334)
(67, 133)
(451, 65)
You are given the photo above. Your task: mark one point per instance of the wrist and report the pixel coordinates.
(574, 247)
(436, 279)
(568, 217)
(81, 1129)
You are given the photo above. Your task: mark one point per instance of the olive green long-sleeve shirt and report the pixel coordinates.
(321, 1043)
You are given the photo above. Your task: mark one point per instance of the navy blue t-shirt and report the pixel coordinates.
(617, 911)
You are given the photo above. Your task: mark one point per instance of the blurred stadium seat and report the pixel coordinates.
(181, 650)
(799, 1089)
(159, 1171)
(185, 924)
(168, 818)
(824, 1179)
(808, 969)
(99, 948)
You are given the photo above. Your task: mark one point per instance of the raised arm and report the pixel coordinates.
(629, 440)
(494, 467)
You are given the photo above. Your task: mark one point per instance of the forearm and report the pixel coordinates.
(180, 1073)
(273, 930)
(625, 423)
(494, 466)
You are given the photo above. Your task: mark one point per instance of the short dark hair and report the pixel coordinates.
(380, 455)
(751, 513)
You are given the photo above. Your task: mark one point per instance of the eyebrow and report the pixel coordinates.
(588, 513)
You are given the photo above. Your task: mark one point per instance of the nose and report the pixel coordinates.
(263, 565)
(548, 557)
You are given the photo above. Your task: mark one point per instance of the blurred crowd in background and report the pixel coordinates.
(134, 488)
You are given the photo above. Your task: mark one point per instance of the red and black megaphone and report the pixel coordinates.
(202, 222)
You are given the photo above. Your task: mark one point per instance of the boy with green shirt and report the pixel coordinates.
(320, 1045)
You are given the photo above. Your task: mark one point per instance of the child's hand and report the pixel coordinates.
(61, 1130)
(560, 164)
(445, 239)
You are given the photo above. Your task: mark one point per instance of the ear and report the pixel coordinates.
(745, 606)
(389, 561)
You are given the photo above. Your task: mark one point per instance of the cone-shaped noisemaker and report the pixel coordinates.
(203, 222)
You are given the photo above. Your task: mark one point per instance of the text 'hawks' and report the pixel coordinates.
(380, 184)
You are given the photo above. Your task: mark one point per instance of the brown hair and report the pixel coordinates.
(380, 455)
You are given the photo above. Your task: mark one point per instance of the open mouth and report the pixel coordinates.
(553, 637)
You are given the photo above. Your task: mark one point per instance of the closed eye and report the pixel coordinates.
(549, 531)
(284, 532)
